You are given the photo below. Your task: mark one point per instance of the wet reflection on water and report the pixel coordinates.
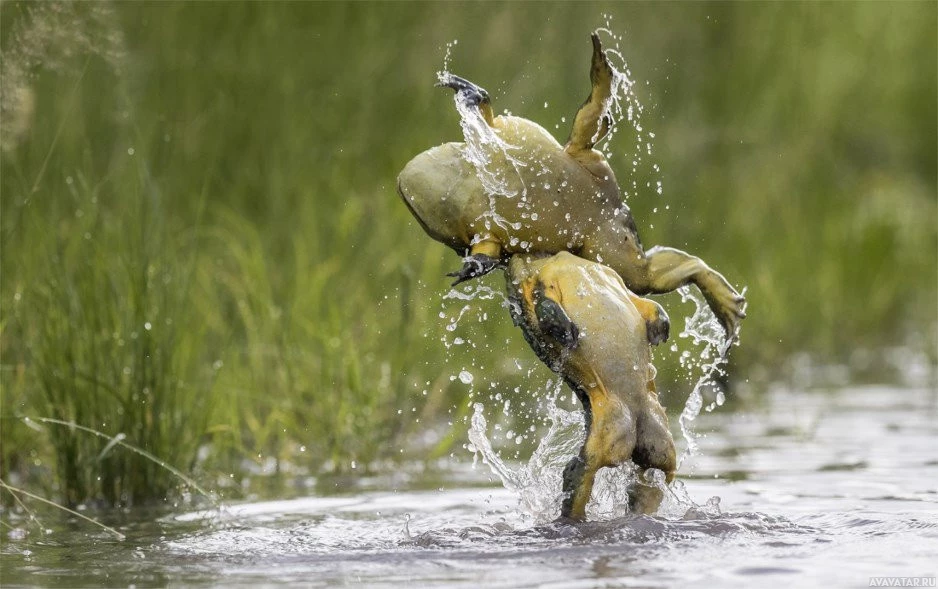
(814, 489)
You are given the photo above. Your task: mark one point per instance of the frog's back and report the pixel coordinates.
(518, 188)
(546, 162)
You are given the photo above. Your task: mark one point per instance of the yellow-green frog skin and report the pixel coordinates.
(584, 323)
(556, 198)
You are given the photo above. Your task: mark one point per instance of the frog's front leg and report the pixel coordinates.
(484, 256)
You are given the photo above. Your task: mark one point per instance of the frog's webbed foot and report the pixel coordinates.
(474, 266)
(469, 94)
(730, 310)
(466, 91)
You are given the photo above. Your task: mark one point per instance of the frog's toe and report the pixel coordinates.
(731, 314)
(659, 328)
(474, 266)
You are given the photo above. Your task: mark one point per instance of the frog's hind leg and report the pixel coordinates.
(593, 120)
(483, 257)
(578, 478)
(580, 473)
(663, 269)
(654, 448)
(610, 441)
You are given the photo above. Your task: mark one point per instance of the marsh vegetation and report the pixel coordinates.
(203, 250)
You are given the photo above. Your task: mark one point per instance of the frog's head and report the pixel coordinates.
(434, 186)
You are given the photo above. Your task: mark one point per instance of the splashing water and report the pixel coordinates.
(704, 329)
(473, 302)
(486, 151)
(625, 105)
(538, 481)
(484, 148)
(468, 293)
(476, 291)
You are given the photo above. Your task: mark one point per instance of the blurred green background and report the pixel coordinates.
(203, 249)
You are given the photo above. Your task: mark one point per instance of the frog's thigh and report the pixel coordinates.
(654, 446)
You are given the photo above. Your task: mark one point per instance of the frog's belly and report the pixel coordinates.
(613, 342)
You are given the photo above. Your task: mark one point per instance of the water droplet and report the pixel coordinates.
(465, 377)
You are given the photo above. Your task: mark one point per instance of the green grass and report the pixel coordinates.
(226, 173)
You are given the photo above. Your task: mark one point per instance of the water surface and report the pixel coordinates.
(814, 489)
